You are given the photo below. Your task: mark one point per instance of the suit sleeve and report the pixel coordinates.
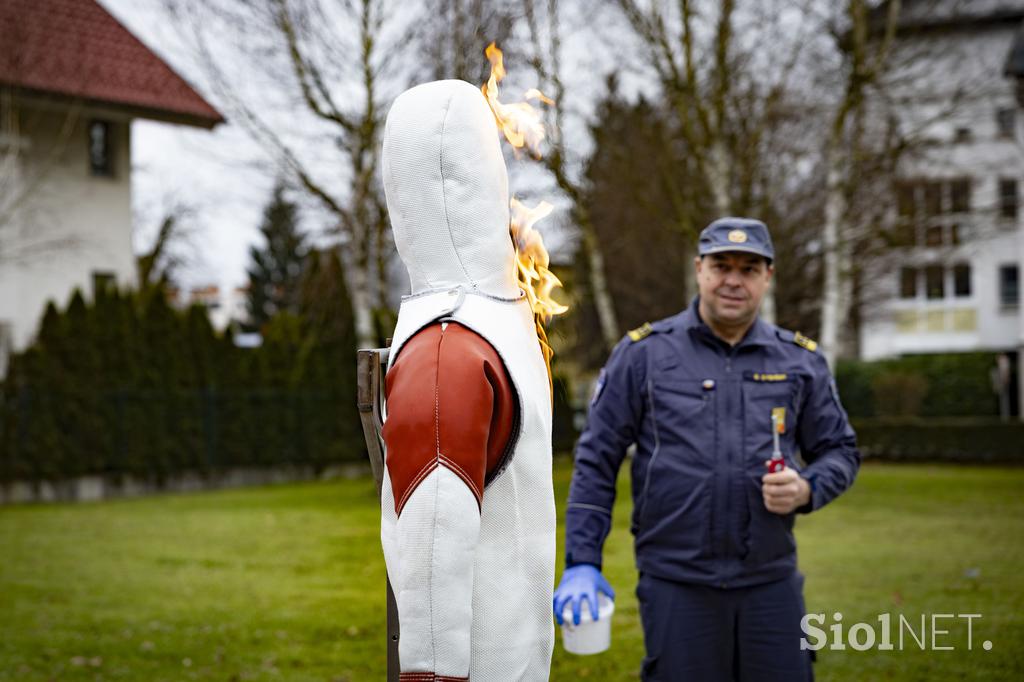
(616, 411)
(449, 406)
(827, 441)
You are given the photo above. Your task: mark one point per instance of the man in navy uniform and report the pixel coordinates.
(720, 594)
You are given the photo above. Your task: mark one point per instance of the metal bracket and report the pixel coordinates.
(371, 366)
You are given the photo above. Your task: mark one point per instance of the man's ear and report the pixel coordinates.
(697, 263)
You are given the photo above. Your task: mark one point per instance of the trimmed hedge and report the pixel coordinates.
(154, 434)
(964, 439)
(128, 385)
(943, 385)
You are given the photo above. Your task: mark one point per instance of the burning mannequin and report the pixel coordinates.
(468, 514)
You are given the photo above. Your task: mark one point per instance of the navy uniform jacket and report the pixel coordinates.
(699, 412)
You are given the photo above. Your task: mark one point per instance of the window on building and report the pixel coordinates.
(1006, 120)
(960, 195)
(1008, 199)
(933, 235)
(961, 280)
(101, 158)
(1009, 285)
(906, 205)
(908, 283)
(904, 233)
(102, 281)
(932, 198)
(935, 282)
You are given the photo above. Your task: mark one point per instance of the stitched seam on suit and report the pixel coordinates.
(518, 401)
(437, 490)
(437, 398)
(444, 193)
(424, 472)
(461, 473)
(452, 464)
(469, 292)
(439, 457)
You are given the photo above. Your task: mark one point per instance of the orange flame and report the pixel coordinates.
(522, 126)
(519, 121)
(532, 259)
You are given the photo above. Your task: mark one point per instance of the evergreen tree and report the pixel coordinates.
(78, 395)
(126, 384)
(324, 301)
(43, 452)
(329, 368)
(276, 269)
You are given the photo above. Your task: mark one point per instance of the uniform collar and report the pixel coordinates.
(759, 334)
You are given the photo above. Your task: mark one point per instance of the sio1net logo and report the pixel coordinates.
(928, 632)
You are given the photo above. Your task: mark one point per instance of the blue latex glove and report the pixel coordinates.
(579, 583)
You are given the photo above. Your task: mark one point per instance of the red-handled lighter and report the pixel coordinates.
(777, 462)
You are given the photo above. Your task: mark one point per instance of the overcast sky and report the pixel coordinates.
(224, 177)
(222, 174)
(209, 171)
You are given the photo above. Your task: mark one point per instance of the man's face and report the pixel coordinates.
(732, 285)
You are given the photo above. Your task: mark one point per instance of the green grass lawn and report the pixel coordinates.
(286, 582)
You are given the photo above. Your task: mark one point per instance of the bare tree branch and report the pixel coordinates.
(290, 29)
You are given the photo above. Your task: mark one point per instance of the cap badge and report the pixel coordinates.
(737, 236)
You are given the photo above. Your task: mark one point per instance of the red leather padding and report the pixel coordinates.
(450, 403)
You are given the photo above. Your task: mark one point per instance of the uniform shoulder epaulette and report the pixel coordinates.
(804, 342)
(641, 332)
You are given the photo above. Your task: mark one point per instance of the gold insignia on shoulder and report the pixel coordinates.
(641, 332)
(804, 342)
(737, 236)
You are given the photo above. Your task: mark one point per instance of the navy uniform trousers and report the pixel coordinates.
(695, 633)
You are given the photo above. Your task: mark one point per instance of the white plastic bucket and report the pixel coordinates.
(590, 636)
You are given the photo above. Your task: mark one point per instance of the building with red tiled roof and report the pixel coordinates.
(76, 49)
(72, 79)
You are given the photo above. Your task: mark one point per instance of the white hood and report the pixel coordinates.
(447, 190)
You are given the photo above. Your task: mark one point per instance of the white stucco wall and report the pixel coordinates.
(72, 223)
(947, 82)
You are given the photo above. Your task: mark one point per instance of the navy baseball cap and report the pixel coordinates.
(736, 234)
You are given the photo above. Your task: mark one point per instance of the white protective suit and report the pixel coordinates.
(472, 576)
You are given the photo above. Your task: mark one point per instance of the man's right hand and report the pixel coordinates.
(579, 583)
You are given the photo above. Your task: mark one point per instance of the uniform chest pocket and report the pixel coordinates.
(682, 394)
(763, 396)
(683, 416)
